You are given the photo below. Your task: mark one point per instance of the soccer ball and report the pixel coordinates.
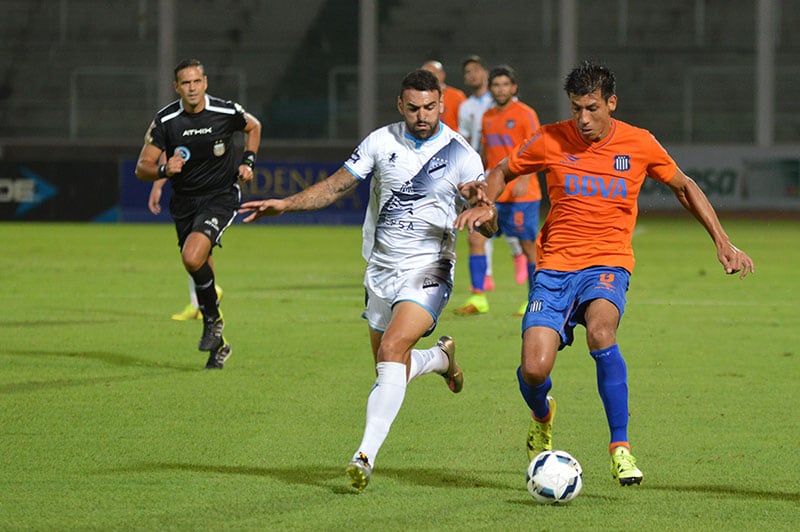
(554, 477)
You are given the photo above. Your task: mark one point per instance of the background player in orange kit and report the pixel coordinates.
(595, 168)
(505, 125)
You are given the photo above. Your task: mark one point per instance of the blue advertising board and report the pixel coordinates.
(272, 179)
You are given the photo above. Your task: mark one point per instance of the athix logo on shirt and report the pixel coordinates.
(590, 185)
(622, 163)
(201, 131)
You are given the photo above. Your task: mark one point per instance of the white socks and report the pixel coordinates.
(383, 405)
(513, 243)
(488, 248)
(423, 361)
(192, 293)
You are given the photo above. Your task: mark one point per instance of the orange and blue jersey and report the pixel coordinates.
(502, 130)
(452, 98)
(593, 190)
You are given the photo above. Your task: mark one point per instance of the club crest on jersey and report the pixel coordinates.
(622, 163)
(219, 148)
(436, 164)
(510, 123)
(183, 152)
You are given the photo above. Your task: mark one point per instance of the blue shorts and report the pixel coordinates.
(519, 219)
(559, 299)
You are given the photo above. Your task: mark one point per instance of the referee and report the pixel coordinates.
(195, 132)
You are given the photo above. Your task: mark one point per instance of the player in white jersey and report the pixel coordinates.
(418, 167)
(470, 112)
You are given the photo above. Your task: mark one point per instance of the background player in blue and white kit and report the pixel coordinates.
(195, 134)
(418, 167)
(470, 119)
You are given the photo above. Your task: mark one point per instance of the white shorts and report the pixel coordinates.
(429, 287)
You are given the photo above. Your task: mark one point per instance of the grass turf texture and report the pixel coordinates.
(109, 422)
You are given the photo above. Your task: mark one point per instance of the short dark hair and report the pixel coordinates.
(187, 63)
(471, 59)
(503, 70)
(588, 77)
(420, 80)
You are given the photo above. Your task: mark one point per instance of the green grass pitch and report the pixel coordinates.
(108, 422)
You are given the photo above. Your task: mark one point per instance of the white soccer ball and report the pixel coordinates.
(554, 477)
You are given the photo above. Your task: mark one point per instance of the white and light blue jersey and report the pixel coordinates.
(470, 116)
(413, 194)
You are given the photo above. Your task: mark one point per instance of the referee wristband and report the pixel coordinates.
(162, 171)
(249, 158)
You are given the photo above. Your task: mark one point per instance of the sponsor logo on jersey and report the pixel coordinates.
(495, 139)
(622, 162)
(590, 185)
(528, 142)
(183, 152)
(219, 148)
(355, 156)
(201, 131)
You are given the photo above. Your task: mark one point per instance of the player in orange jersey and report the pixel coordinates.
(595, 168)
(451, 96)
(503, 126)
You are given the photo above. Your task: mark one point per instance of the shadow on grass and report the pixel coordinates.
(51, 323)
(321, 476)
(256, 290)
(731, 491)
(325, 477)
(114, 359)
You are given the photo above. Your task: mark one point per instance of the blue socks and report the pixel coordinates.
(535, 396)
(612, 383)
(477, 271)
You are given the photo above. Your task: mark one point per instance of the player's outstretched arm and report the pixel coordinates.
(259, 208)
(315, 197)
(696, 202)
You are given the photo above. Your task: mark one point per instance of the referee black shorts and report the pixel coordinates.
(210, 214)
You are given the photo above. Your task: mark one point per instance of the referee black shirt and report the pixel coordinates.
(203, 140)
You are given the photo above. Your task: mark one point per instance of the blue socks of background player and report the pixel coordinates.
(477, 271)
(535, 396)
(612, 383)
